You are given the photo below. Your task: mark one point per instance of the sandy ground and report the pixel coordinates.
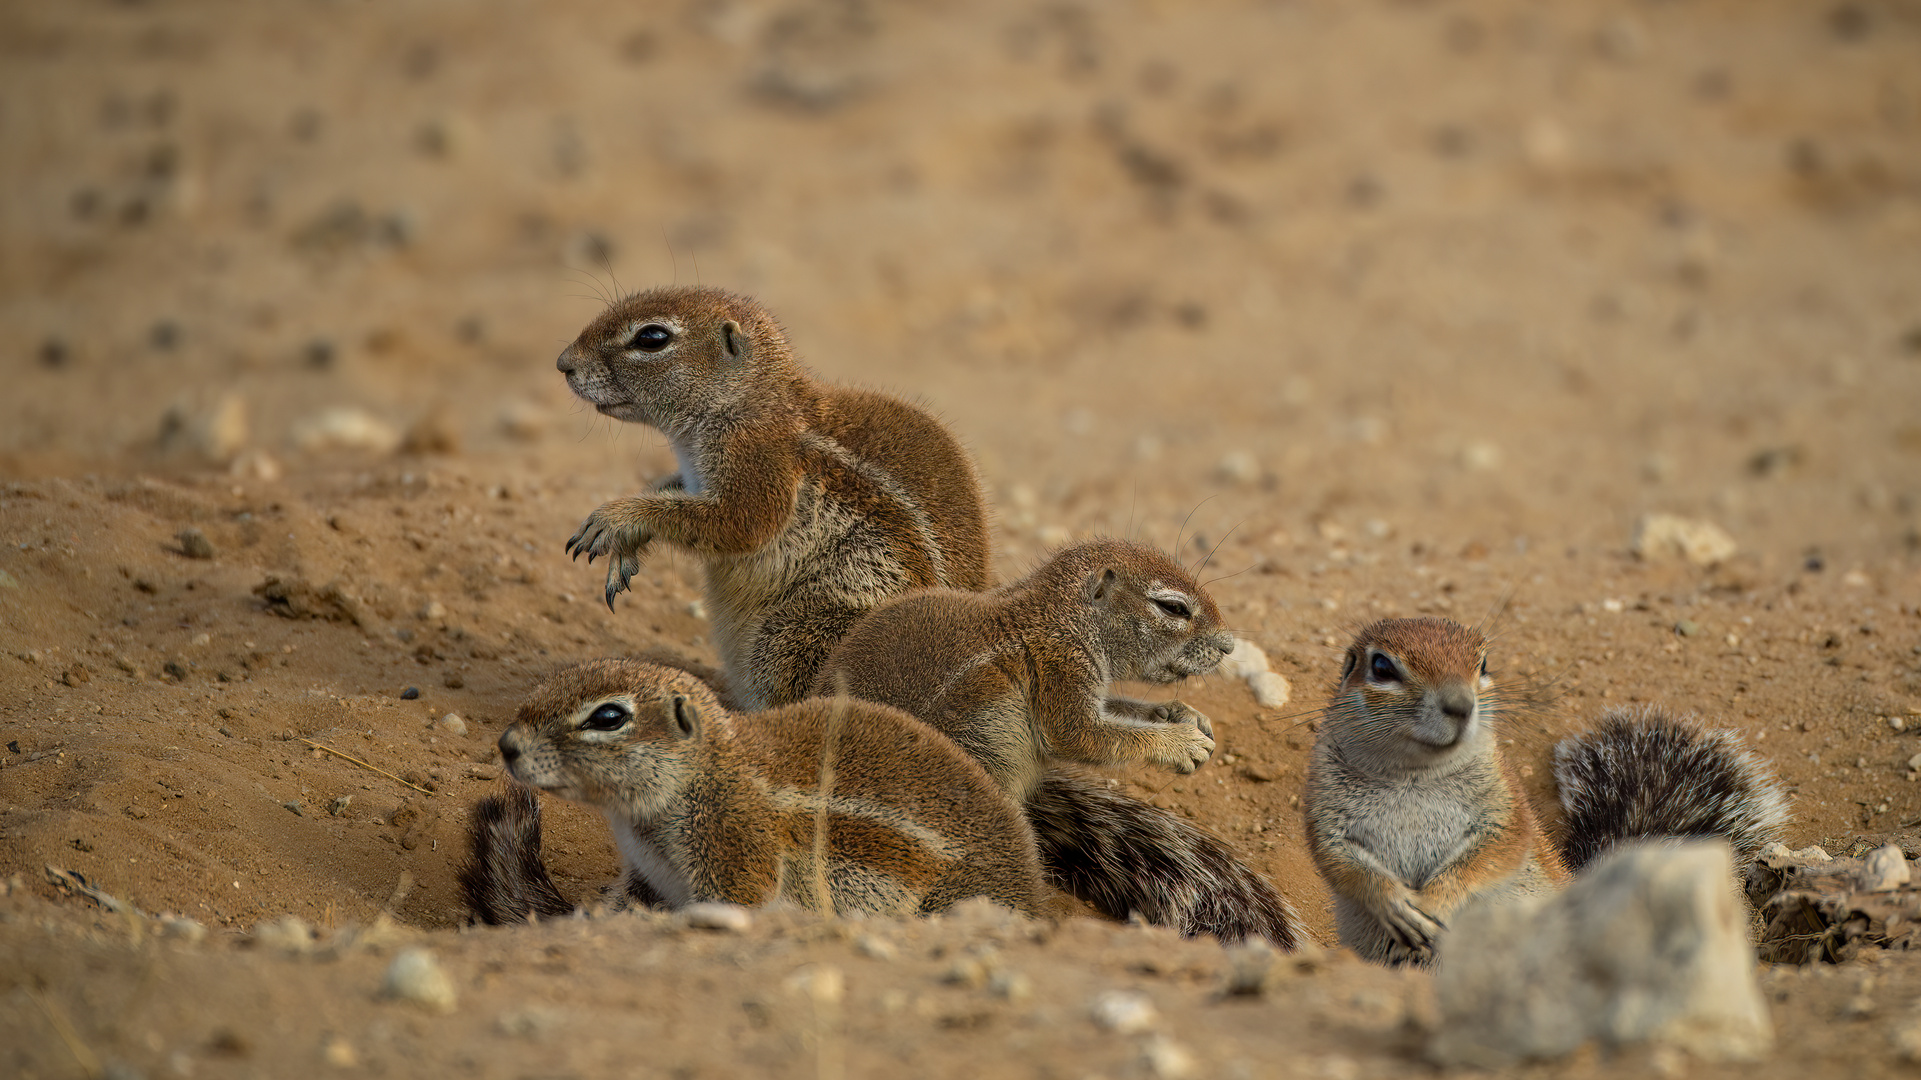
(1394, 307)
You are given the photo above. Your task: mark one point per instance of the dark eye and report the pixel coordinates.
(1174, 608)
(1381, 669)
(651, 338)
(609, 717)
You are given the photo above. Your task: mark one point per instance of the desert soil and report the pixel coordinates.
(1382, 309)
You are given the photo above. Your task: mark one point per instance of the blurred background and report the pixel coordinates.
(1469, 269)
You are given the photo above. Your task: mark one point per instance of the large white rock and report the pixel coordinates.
(1649, 944)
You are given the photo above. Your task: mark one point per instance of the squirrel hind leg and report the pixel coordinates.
(504, 879)
(1127, 858)
(1644, 774)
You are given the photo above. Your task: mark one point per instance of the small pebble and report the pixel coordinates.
(339, 1053)
(1239, 467)
(1167, 1059)
(410, 694)
(452, 724)
(294, 806)
(875, 948)
(1687, 628)
(1124, 1012)
(288, 933)
(179, 926)
(1250, 968)
(432, 611)
(1012, 986)
(731, 918)
(339, 806)
(1885, 869)
(194, 544)
(417, 977)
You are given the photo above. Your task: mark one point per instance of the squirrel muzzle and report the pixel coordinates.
(1447, 715)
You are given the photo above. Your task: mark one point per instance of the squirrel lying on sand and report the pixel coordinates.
(841, 806)
(1020, 676)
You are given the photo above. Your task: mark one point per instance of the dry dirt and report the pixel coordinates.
(1393, 307)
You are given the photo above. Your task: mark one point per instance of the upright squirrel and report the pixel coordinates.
(809, 505)
(806, 504)
(1412, 811)
(842, 805)
(1020, 676)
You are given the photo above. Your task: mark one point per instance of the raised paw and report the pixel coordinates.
(1180, 712)
(616, 532)
(1191, 742)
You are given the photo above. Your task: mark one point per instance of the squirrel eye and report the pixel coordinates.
(1483, 667)
(609, 717)
(1381, 669)
(1174, 608)
(651, 338)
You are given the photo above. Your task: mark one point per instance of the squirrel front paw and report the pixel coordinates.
(616, 532)
(1412, 928)
(1191, 746)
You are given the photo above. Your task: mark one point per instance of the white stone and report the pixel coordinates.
(452, 724)
(1124, 1012)
(1666, 536)
(1239, 467)
(346, 428)
(1648, 945)
(1885, 869)
(417, 977)
(731, 918)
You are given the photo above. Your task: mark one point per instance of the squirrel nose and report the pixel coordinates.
(566, 361)
(1456, 701)
(508, 750)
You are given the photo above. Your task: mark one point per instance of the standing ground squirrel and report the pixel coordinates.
(807, 504)
(1020, 676)
(705, 805)
(1412, 811)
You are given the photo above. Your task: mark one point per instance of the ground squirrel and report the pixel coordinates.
(1412, 810)
(1020, 677)
(706, 805)
(807, 504)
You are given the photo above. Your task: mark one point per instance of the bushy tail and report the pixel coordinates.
(1131, 859)
(1642, 774)
(505, 879)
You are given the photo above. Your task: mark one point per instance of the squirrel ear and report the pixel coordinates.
(1347, 666)
(1099, 584)
(733, 340)
(685, 716)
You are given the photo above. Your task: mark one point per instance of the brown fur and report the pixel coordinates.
(706, 805)
(1020, 677)
(807, 504)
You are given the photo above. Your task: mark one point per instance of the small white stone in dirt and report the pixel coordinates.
(1124, 1012)
(1012, 986)
(288, 933)
(1897, 723)
(527, 1022)
(254, 465)
(822, 982)
(417, 977)
(1239, 467)
(731, 918)
(1906, 1037)
(432, 611)
(179, 926)
(1271, 689)
(1885, 869)
(346, 428)
(452, 724)
(1167, 1059)
(339, 1053)
(1480, 457)
(1660, 536)
(1812, 854)
(697, 609)
(1915, 762)
(875, 948)
(202, 639)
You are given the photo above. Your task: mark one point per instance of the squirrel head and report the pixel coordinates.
(674, 356)
(1412, 696)
(621, 735)
(1153, 621)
